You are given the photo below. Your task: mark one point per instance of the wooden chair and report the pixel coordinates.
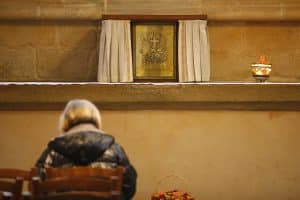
(79, 183)
(34, 172)
(11, 182)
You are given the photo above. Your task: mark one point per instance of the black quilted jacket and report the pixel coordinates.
(89, 148)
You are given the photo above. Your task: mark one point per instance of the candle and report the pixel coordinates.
(261, 70)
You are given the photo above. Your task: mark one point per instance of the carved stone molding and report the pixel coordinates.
(221, 10)
(50, 10)
(225, 96)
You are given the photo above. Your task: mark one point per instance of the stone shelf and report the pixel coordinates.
(132, 96)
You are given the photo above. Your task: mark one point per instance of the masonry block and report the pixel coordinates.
(83, 35)
(226, 38)
(17, 34)
(17, 64)
(65, 64)
(275, 36)
(153, 7)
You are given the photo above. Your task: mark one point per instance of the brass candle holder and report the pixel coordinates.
(261, 71)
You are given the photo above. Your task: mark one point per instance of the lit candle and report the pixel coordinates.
(261, 70)
(262, 60)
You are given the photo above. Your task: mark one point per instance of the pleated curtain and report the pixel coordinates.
(115, 60)
(193, 51)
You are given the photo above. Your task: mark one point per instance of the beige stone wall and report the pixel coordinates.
(48, 51)
(43, 40)
(224, 155)
(234, 46)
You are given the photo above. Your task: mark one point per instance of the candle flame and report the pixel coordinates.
(262, 60)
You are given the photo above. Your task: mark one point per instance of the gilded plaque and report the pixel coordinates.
(154, 51)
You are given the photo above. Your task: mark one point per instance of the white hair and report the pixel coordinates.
(79, 111)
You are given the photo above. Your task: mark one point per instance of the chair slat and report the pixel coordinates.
(13, 173)
(82, 181)
(12, 182)
(83, 171)
(74, 195)
(75, 183)
(7, 186)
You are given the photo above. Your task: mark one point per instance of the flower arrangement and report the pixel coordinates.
(172, 195)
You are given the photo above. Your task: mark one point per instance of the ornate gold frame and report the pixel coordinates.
(154, 50)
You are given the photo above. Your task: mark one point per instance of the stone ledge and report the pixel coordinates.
(224, 96)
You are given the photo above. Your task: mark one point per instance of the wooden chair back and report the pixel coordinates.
(34, 172)
(79, 183)
(11, 182)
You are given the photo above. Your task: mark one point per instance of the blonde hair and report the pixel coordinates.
(79, 111)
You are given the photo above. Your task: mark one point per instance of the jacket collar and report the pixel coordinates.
(82, 127)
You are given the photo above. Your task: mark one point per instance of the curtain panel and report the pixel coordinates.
(115, 60)
(193, 51)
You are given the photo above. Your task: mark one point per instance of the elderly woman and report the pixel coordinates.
(83, 143)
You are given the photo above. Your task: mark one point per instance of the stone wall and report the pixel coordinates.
(227, 155)
(48, 51)
(43, 40)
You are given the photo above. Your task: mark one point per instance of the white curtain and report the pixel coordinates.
(115, 61)
(193, 51)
